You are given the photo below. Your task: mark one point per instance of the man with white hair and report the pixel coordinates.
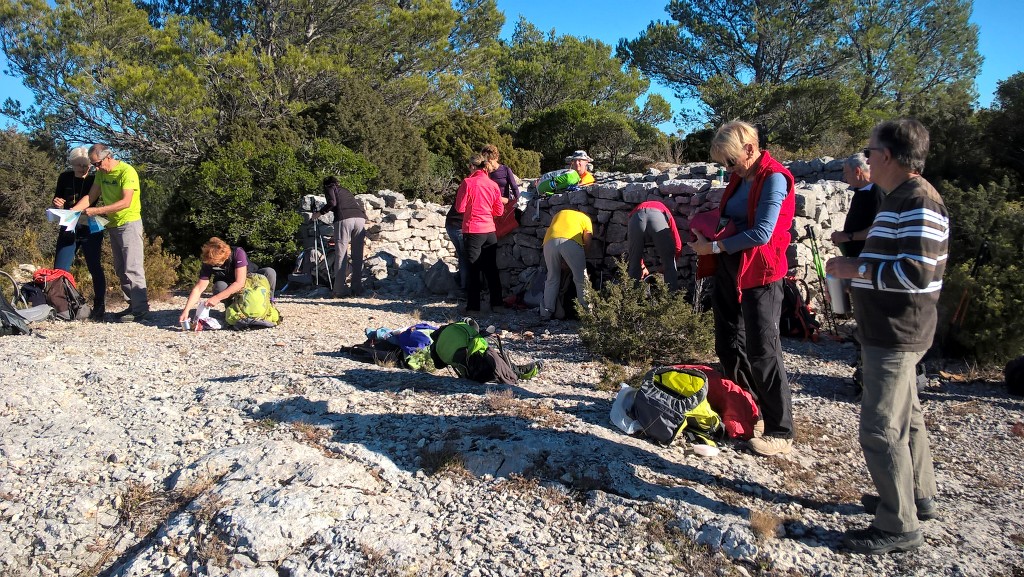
(580, 162)
(867, 197)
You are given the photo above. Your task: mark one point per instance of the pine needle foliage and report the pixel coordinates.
(633, 322)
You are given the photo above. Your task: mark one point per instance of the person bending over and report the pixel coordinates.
(226, 267)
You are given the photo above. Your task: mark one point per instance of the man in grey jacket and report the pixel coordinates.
(895, 287)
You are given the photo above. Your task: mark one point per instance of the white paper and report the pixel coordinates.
(203, 316)
(68, 219)
(620, 410)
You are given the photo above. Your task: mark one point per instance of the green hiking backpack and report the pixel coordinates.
(251, 306)
(455, 344)
(673, 399)
(552, 182)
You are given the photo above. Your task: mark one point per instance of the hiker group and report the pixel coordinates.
(895, 244)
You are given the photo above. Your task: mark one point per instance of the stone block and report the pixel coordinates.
(684, 186)
(637, 192)
(615, 233)
(613, 205)
(440, 278)
(607, 190)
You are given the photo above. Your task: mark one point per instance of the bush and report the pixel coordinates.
(632, 322)
(161, 272)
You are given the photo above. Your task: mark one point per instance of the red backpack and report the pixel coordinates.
(62, 293)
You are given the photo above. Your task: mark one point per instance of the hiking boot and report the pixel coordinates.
(131, 317)
(759, 428)
(768, 446)
(529, 370)
(874, 541)
(120, 314)
(97, 315)
(926, 509)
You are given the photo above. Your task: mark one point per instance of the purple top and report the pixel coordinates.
(226, 271)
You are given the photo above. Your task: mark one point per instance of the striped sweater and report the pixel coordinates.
(907, 245)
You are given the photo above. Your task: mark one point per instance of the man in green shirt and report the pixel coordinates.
(117, 187)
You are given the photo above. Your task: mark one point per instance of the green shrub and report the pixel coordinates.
(161, 272)
(631, 322)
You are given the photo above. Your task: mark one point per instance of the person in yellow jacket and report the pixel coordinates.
(565, 241)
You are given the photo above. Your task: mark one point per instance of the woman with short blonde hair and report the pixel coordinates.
(72, 186)
(747, 258)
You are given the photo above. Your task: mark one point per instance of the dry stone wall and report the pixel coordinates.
(408, 251)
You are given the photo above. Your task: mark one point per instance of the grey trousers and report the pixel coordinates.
(652, 225)
(557, 250)
(127, 247)
(349, 230)
(893, 437)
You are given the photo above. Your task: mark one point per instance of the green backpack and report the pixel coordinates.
(456, 345)
(251, 308)
(557, 180)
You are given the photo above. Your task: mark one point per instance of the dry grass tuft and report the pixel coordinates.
(310, 434)
(501, 400)
(972, 407)
(504, 402)
(685, 555)
(1017, 429)
(445, 461)
(764, 524)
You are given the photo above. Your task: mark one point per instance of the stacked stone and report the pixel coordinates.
(408, 251)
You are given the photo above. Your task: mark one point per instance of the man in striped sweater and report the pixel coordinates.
(895, 287)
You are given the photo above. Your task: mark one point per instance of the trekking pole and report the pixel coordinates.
(819, 268)
(327, 261)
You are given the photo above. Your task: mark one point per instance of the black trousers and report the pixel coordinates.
(748, 345)
(482, 255)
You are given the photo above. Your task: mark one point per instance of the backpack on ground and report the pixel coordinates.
(251, 308)
(557, 180)
(797, 319)
(62, 294)
(673, 399)
(467, 351)
(11, 322)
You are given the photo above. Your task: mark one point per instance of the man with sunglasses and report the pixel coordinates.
(117, 188)
(895, 287)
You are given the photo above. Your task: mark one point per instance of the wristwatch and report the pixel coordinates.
(715, 249)
(862, 270)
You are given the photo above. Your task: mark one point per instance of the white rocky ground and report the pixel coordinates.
(142, 450)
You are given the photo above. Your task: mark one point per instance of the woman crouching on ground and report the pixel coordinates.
(748, 267)
(227, 267)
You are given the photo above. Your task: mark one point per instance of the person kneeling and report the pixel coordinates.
(227, 267)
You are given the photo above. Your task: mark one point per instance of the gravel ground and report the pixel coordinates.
(142, 450)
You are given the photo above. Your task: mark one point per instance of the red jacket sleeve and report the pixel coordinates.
(460, 198)
(675, 234)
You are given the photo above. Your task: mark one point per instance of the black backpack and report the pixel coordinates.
(68, 304)
(797, 319)
(11, 322)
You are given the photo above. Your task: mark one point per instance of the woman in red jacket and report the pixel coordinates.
(748, 266)
(479, 201)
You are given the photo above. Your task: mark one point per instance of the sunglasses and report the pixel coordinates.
(731, 163)
(867, 151)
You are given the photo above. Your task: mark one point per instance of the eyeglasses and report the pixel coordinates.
(731, 163)
(867, 150)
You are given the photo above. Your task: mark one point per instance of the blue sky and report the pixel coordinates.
(1000, 41)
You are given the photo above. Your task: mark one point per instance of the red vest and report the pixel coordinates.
(766, 263)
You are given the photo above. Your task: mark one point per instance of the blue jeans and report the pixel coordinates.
(68, 243)
(455, 234)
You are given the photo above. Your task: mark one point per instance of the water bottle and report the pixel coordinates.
(721, 175)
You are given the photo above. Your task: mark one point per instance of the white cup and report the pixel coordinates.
(836, 294)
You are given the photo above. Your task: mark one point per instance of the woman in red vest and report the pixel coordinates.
(748, 261)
